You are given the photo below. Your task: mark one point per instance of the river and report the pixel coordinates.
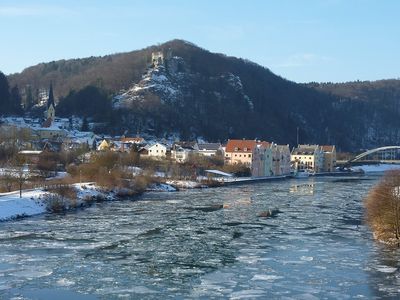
(185, 245)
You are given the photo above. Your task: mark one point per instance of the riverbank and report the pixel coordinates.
(38, 201)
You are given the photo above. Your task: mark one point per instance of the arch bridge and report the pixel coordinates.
(387, 154)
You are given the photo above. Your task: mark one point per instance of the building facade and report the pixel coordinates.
(307, 157)
(329, 158)
(239, 152)
(157, 150)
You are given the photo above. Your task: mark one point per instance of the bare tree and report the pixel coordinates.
(22, 172)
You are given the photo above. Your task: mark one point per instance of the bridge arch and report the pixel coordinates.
(373, 151)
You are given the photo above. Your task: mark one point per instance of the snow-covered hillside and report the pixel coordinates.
(166, 81)
(172, 80)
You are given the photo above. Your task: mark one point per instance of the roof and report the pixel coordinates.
(328, 148)
(148, 146)
(240, 146)
(217, 172)
(184, 144)
(47, 123)
(132, 140)
(244, 145)
(209, 146)
(30, 152)
(305, 149)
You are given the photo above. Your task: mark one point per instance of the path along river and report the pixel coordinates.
(184, 245)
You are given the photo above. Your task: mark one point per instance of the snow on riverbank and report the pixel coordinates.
(33, 201)
(161, 187)
(184, 184)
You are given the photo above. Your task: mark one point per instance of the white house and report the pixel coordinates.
(181, 151)
(157, 150)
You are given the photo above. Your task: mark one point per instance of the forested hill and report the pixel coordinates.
(195, 93)
(381, 92)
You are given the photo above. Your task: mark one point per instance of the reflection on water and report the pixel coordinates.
(205, 243)
(302, 189)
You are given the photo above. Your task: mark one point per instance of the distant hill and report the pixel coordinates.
(384, 93)
(192, 92)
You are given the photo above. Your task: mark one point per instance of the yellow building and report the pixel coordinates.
(104, 146)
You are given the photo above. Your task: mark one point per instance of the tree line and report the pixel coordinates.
(10, 98)
(89, 102)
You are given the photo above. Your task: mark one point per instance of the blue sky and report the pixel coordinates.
(309, 40)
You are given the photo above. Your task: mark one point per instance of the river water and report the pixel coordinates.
(209, 243)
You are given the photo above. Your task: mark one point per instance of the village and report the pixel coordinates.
(34, 138)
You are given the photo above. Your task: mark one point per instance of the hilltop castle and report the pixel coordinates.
(158, 58)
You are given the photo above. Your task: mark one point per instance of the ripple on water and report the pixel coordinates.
(190, 244)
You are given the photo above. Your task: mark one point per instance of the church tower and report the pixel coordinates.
(50, 112)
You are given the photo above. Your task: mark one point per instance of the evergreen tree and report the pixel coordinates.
(15, 101)
(85, 125)
(29, 101)
(4, 94)
(94, 145)
(88, 102)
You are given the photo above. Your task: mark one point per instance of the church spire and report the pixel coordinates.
(50, 101)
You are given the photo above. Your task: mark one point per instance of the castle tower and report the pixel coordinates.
(157, 58)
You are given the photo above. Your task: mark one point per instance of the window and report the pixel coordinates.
(236, 149)
(249, 155)
(226, 154)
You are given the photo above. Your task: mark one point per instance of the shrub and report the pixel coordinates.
(55, 203)
(60, 199)
(141, 182)
(383, 208)
(238, 169)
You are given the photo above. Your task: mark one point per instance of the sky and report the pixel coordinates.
(301, 40)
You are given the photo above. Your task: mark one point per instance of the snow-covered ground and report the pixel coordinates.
(33, 203)
(376, 168)
(161, 187)
(12, 206)
(184, 184)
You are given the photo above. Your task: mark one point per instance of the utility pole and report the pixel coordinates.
(297, 136)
